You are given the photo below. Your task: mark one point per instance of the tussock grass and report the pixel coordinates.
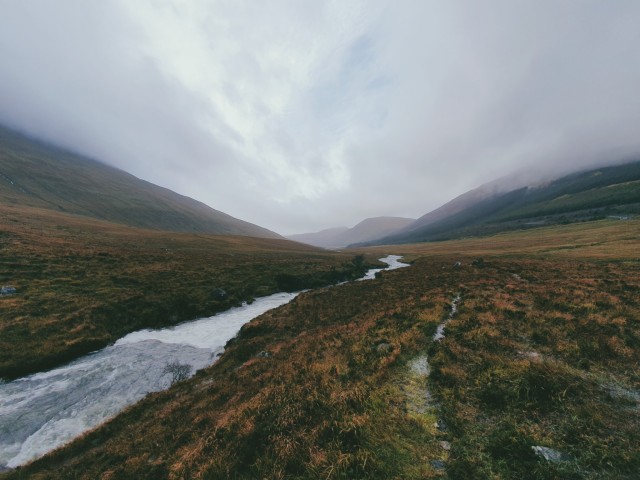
(542, 351)
(528, 362)
(605, 240)
(83, 283)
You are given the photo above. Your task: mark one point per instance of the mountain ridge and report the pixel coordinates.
(584, 195)
(37, 174)
(368, 229)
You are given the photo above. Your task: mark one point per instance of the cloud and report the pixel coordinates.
(304, 115)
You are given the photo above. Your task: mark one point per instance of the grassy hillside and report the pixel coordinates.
(607, 240)
(38, 175)
(544, 350)
(584, 196)
(83, 283)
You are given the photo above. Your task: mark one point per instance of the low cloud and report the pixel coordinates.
(304, 115)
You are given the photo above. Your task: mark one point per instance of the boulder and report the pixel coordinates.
(8, 290)
(219, 294)
(549, 454)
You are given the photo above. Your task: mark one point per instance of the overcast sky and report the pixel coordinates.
(302, 115)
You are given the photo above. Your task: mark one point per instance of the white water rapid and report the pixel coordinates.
(392, 260)
(43, 411)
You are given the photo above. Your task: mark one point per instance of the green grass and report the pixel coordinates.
(627, 193)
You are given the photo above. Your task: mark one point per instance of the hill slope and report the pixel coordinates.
(367, 230)
(581, 196)
(38, 175)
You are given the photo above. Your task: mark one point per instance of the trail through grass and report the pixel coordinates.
(544, 351)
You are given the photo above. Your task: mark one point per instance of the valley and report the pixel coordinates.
(509, 350)
(367, 230)
(302, 240)
(542, 352)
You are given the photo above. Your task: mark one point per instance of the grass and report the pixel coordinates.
(604, 240)
(83, 283)
(544, 350)
(627, 193)
(530, 360)
(315, 408)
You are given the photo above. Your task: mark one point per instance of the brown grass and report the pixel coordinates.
(83, 283)
(603, 240)
(543, 351)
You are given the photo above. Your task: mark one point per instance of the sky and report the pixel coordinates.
(301, 115)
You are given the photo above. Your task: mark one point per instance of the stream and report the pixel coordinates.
(43, 411)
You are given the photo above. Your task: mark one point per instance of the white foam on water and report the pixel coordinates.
(45, 410)
(439, 335)
(211, 332)
(393, 262)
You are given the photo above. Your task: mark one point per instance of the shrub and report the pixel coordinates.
(178, 371)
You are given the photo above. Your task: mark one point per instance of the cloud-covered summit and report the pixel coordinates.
(303, 115)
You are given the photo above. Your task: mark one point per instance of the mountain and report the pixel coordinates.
(367, 230)
(373, 228)
(35, 174)
(588, 195)
(457, 205)
(324, 238)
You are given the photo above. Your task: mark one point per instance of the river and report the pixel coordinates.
(43, 411)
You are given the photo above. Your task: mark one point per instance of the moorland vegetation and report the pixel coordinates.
(82, 283)
(348, 382)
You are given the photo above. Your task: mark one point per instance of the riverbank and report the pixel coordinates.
(43, 411)
(81, 284)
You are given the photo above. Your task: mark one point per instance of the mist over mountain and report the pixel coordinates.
(612, 191)
(39, 175)
(365, 231)
(288, 114)
(324, 238)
